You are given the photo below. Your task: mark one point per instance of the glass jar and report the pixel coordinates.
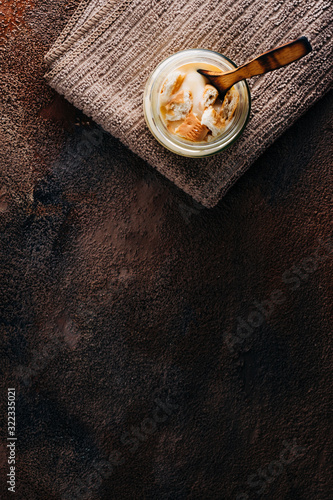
(175, 143)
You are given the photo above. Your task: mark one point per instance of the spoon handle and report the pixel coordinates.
(276, 58)
(268, 61)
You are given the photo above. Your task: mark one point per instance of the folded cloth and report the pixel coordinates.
(102, 60)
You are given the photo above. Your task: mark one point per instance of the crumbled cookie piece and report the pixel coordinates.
(179, 106)
(209, 96)
(230, 103)
(191, 129)
(171, 85)
(213, 120)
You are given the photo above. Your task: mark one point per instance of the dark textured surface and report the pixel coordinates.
(119, 294)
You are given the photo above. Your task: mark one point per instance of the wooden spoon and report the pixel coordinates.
(268, 61)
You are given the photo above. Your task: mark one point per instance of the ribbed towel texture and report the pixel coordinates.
(102, 59)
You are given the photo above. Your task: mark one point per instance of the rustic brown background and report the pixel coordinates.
(118, 289)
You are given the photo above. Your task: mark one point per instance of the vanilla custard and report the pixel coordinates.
(190, 106)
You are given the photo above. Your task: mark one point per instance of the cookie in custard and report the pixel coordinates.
(191, 129)
(171, 85)
(179, 106)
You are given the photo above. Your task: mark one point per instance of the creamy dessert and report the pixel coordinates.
(190, 106)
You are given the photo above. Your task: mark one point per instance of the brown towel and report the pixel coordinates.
(104, 56)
